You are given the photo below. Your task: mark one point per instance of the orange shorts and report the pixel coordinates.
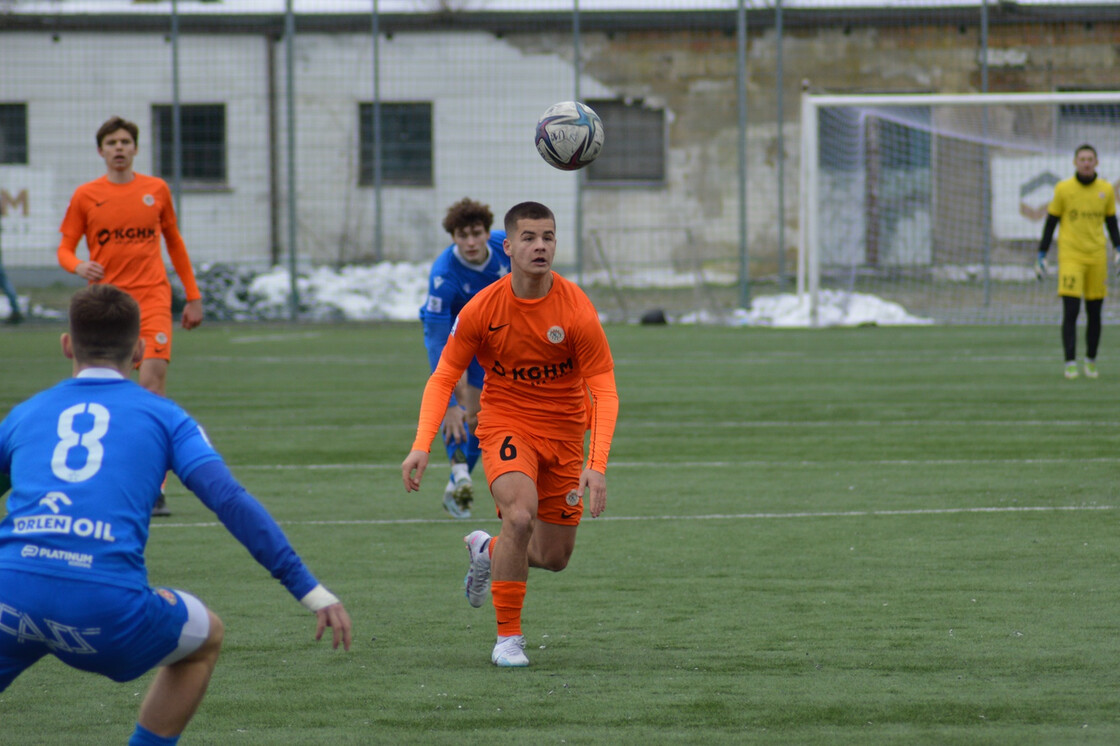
(155, 321)
(553, 465)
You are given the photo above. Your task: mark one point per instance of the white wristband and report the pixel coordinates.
(318, 598)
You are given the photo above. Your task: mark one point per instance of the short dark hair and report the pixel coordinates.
(465, 213)
(527, 211)
(1085, 146)
(114, 123)
(104, 324)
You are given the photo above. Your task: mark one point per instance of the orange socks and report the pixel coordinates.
(509, 597)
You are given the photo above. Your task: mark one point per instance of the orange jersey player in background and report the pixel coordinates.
(122, 216)
(540, 341)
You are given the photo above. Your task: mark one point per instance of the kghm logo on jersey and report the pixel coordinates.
(127, 235)
(534, 374)
(556, 335)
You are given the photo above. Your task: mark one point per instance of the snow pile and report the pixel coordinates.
(394, 291)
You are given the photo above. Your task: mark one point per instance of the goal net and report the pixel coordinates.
(937, 202)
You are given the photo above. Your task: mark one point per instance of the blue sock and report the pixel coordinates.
(474, 451)
(144, 737)
(468, 452)
(456, 452)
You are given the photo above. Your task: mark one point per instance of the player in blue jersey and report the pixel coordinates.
(84, 460)
(473, 261)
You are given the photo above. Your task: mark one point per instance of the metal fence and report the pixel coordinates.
(337, 132)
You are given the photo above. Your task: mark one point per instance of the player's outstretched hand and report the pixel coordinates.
(593, 487)
(335, 617)
(1040, 267)
(455, 424)
(416, 461)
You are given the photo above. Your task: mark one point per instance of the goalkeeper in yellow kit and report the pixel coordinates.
(1081, 204)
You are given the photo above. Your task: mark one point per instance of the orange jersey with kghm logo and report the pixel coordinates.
(122, 225)
(537, 355)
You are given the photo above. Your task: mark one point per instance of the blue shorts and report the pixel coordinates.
(120, 633)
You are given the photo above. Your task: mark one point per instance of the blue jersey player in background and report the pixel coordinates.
(84, 461)
(473, 261)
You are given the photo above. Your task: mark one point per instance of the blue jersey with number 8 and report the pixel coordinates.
(86, 460)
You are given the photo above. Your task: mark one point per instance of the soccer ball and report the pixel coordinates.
(569, 135)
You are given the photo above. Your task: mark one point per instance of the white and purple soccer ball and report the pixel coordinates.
(569, 135)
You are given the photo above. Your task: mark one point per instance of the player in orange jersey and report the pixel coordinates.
(122, 216)
(543, 348)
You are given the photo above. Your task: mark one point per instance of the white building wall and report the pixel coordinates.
(482, 137)
(483, 129)
(74, 84)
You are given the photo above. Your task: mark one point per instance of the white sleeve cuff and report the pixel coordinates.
(318, 598)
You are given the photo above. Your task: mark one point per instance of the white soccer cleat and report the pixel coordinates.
(1091, 369)
(509, 652)
(1071, 371)
(451, 504)
(477, 582)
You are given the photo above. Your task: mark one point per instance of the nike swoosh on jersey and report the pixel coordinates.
(499, 326)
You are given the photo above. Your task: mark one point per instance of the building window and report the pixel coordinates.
(13, 134)
(1095, 124)
(1089, 112)
(203, 134)
(406, 144)
(634, 150)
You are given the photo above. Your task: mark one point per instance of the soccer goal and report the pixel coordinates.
(937, 201)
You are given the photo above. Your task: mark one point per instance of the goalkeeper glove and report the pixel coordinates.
(1040, 267)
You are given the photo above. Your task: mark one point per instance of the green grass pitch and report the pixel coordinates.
(861, 536)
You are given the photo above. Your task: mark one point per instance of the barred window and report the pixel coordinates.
(13, 134)
(635, 146)
(203, 133)
(406, 144)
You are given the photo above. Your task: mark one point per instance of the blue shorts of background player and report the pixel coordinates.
(475, 259)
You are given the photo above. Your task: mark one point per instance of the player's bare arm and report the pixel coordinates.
(90, 271)
(593, 484)
(192, 314)
(335, 617)
(454, 424)
(412, 469)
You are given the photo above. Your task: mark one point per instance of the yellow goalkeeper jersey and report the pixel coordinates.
(1082, 208)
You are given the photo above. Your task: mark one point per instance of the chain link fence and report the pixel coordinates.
(337, 132)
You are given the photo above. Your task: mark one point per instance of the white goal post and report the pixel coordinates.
(936, 201)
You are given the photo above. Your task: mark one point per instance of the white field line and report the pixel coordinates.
(707, 517)
(707, 424)
(437, 466)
